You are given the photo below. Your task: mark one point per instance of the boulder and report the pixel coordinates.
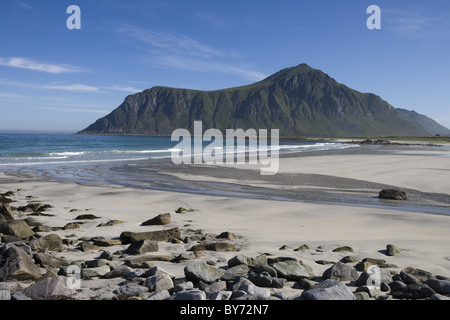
(18, 228)
(5, 212)
(15, 263)
(46, 260)
(343, 249)
(161, 219)
(340, 271)
(392, 250)
(227, 235)
(51, 242)
(188, 295)
(48, 288)
(392, 194)
(159, 282)
(131, 289)
(251, 262)
(328, 290)
(200, 271)
(142, 246)
(234, 272)
(118, 272)
(160, 235)
(86, 217)
(215, 246)
(367, 262)
(293, 270)
(87, 273)
(440, 286)
(159, 295)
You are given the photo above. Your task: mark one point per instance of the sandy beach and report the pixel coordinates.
(264, 225)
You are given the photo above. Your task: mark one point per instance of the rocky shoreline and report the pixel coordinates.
(36, 263)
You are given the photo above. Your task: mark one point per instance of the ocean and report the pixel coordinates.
(37, 150)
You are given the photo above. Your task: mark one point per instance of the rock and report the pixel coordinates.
(184, 256)
(372, 291)
(19, 244)
(5, 295)
(259, 268)
(42, 228)
(51, 242)
(235, 272)
(142, 246)
(159, 295)
(137, 262)
(131, 289)
(303, 247)
(340, 271)
(46, 260)
(88, 273)
(220, 295)
(5, 212)
(367, 262)
(182, 210)
(328, 290)
(249, 288)
(392, 194)
(361, 295)
(392, 250)
(213, 287)
(440, 286)
(50, 287)
(227, 235)
(368, 276)
(121, 271)
(86, 217)
(18, 228)
(161, 235)
(349, 259)
(6, 238)
(200, 271)
(251, 262)
(109, 223)
(293, 270)
(215, 246)
(15, 263)
(103, 242)
(413, 291)
(411, 275)
(188, 285)
(71, 225)
(261, 279)
(343, 249)
(438, 296)
(161, 219)
(159, 282)
(19, 295)
(188, 295)
(87, 246)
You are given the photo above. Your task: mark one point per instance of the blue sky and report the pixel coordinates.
(54, 79)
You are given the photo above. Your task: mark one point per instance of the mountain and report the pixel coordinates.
(429, 124)
(299, 101)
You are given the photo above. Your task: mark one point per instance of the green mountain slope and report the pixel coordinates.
(299, 101)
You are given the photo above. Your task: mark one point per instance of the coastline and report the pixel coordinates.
(263, 222)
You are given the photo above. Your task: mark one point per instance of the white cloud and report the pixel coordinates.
(72, 87)
(24, 63)
(211, 66)
(124, 89)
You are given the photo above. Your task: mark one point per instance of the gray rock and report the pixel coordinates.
(251, 262)
(384, 276)
(361, 295)
(188, 285)
(19, 244)
(131, 289)
(215, 246)
(142, 246)
(200, 271)
(220, 295)
(213, 287)
(243, 284)
(88, 273)
(16, 264)
(47, 260)
(18, 228)
(412, 275)
(19, 295)
(328, 290)
(5, 212)
(161, 219)
(438, 296)
(50, 287)
(121, 271)
(159, 295)
(293, 270)
(235, 272)
(161, 235)
(5, 295)
(392, 250)
(188, 295)
(159, 282)
(392, 194)
(440, 286)
(340, 271)
(261, 279)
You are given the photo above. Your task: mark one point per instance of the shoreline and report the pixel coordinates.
(262, 226)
